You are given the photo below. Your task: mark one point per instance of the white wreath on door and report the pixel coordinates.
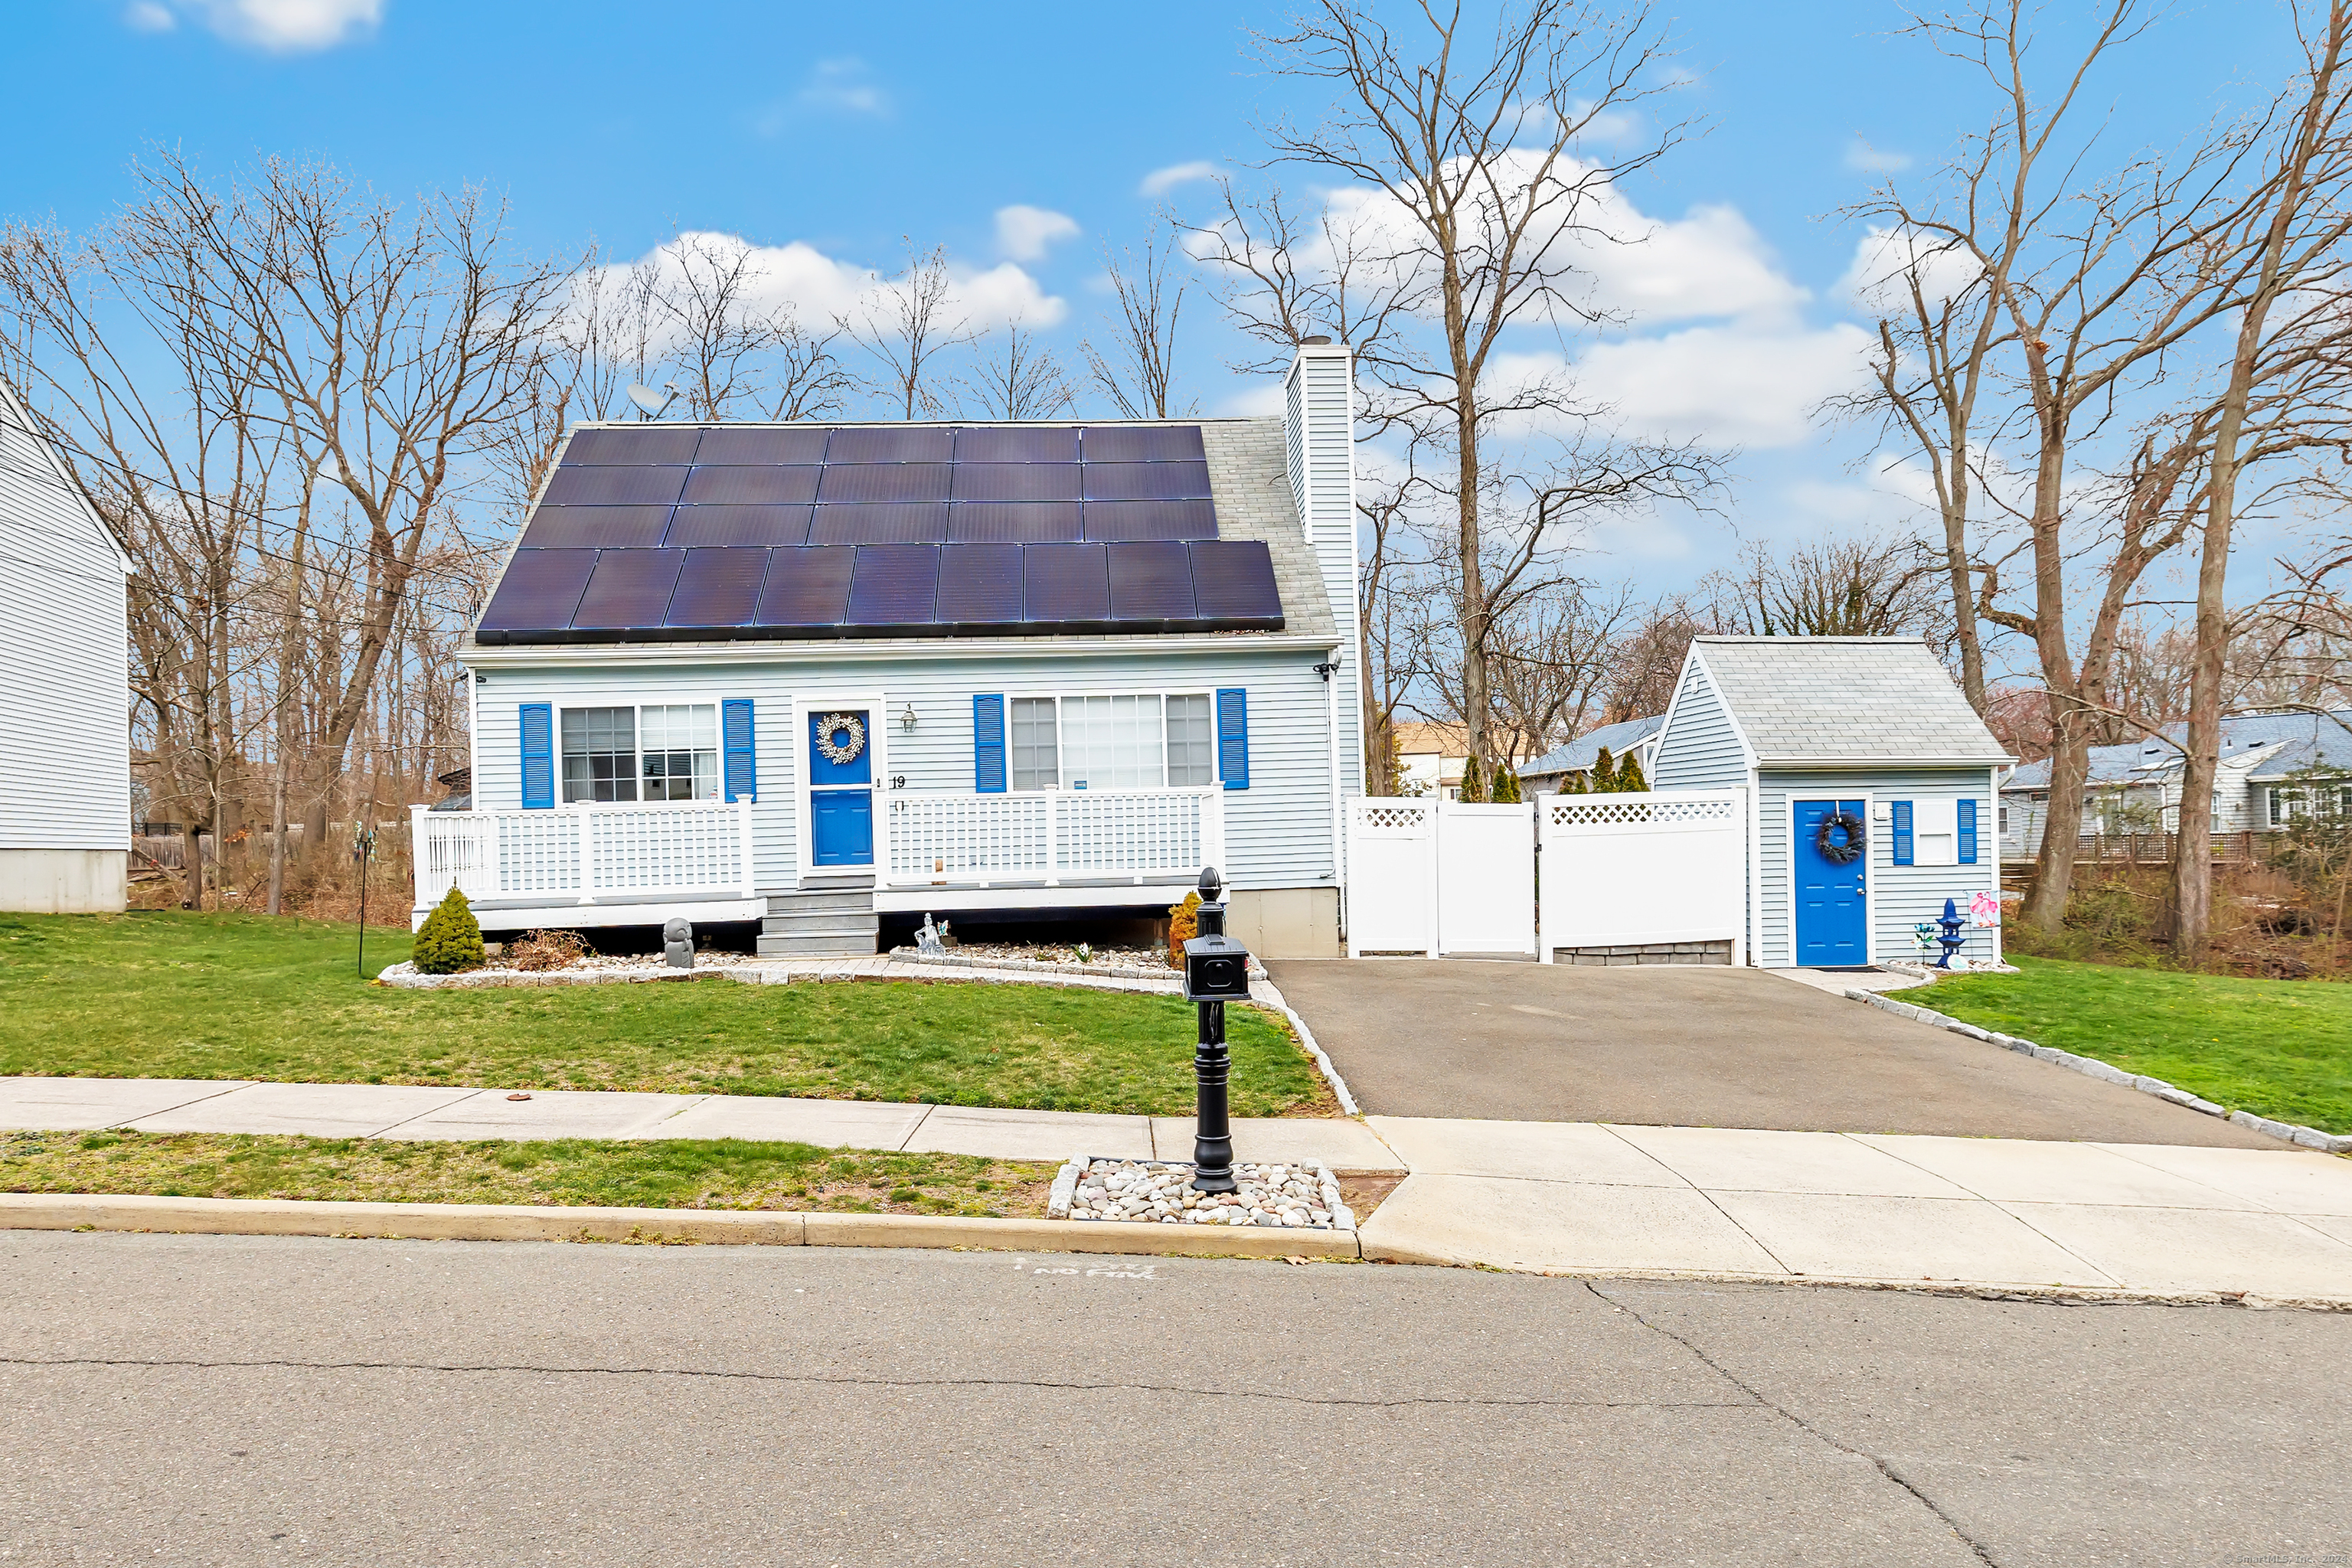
(840, 753)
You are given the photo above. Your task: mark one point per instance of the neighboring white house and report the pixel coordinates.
(813, 673)
(1640, 736)
(2263, 780)
(1869, 781)
(1430, 757)
(64, 684)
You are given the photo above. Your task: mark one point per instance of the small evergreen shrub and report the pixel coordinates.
(450, 940)
(1473, 782)
(1506, 787)
(1183, 925)
(1604, 774)
(1629, 776)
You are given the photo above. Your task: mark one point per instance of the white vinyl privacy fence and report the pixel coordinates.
(1628, 870)
(1435, 877)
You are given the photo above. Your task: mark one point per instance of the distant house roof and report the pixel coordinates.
(1584, 751)
(668, 532)
(1416, 739)
(2288, 742)
(1845, 700)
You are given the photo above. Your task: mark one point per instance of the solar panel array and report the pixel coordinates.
(671, 530)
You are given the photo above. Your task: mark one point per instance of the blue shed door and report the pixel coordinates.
(1832, 920)
(841, 794)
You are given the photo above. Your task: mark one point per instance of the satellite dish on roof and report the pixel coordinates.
(652, 404)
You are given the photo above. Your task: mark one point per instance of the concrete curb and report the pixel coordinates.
(2091, 1066)
(500, 1222)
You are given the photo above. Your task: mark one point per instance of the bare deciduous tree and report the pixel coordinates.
(1137, 370)
(1017, 378)
(909, 324)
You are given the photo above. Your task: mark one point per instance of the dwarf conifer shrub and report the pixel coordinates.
(1506, 787)
(1604, 774)
(1629, 776)
(450, 940)
(1183, 925)
(1473, 782)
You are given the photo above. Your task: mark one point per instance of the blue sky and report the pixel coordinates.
(846, 128)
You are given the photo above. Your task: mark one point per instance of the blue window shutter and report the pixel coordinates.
(1967, 833)
(1902, 833)
(740, 766)
(538, 756)
(988, 744)
(1232, 737)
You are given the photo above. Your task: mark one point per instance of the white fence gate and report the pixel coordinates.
(1436, 877)
(1636, 869)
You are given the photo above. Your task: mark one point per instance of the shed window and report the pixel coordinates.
(659, 752)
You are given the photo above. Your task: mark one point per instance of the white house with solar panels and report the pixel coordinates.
(810, 675)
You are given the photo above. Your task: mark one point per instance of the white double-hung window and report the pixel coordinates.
(648, 752)
(1139, 742)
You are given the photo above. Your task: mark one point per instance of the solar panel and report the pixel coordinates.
(1147, 481)
(891, 444)
(1012, 522)
(718, 588)
(807, 586)
(614, 487)
(753, 445)
(1016, 481)
(629, 589)
(985, 444)
(556, 527)
(739, 483)
(633, 444)
(1233, 582)
(719, 525)
(895, 585)
(1143, 444)
(1152, 582)
(539, 592)
(1119, 519)
(923, 523)
(1065, 582)
(884, 483)
(980, 585)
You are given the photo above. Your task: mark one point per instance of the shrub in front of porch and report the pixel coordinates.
(450, 940)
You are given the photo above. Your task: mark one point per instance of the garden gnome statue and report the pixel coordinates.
(927, 940)
(678, 944)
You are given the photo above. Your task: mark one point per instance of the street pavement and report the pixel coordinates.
(1691, 1046)
(226, 1400)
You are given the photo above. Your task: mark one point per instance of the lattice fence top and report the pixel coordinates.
(1394, 814)
(1640, 810)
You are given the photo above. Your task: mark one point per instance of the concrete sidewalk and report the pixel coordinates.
(400, 1110)
(1895, 1209)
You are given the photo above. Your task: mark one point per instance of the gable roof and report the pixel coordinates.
(1585, 750)
(2279, 744)
(672, 532)
(31, 458)
(1845, 700)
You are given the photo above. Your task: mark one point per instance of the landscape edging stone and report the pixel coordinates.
(2091, 1066)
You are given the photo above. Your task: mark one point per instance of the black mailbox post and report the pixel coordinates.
(1216, 970)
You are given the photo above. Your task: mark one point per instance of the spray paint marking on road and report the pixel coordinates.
(1100, 1271)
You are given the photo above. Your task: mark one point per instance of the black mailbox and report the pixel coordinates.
(1216, 969)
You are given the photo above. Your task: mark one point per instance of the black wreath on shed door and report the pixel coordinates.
(1836, 850)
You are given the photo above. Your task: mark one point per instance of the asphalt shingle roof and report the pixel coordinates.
(1585, 750)
(2303, 740)
(1801, 699)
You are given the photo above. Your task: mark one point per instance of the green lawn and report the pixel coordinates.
(720, 1174)
(2281, 1048)
(172, 995)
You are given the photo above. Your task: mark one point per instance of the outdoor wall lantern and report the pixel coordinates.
(906, 720)
(1216, 971)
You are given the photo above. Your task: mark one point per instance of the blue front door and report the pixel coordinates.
(1831, 919)
(841, 792)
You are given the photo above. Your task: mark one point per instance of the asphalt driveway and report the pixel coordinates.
(1667, 1045)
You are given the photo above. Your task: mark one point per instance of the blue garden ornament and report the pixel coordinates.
(1952, 939)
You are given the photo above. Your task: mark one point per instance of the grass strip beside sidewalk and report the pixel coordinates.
(2281, 1048)
(679, 1174)
(172, 995)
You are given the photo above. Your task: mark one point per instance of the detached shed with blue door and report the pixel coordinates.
(1871, 789)
(816, 674)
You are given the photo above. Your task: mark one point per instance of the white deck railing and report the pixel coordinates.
(699, 850)
(1047, 837)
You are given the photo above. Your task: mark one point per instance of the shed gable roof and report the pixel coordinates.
(1845, 700)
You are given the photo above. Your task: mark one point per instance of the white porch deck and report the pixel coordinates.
(641, 865)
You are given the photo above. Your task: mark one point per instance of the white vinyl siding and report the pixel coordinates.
(1278, 832)
(1699, 749)
(65, 678)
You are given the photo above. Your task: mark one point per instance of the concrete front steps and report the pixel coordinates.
(821, 922)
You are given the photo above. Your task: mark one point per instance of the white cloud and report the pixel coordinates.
(842, 86)
(820, 289)
(1861, 155)
(280, 27)
(1024, 234)
(1875, 281)
(1736, 383)
(1159, 182)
